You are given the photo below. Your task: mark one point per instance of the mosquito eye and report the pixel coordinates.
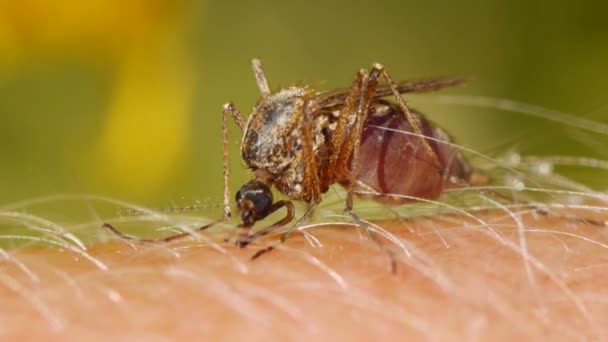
(261, 201)
(254, 199)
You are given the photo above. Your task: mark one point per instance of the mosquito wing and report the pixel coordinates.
(338, 96)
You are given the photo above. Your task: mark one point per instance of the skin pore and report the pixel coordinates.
(497, 275)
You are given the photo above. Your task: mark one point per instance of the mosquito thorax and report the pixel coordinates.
(272, 140)
(274, 119)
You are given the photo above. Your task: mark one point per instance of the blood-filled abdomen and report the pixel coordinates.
(394, 161)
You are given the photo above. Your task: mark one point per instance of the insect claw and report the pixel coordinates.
(262, 252)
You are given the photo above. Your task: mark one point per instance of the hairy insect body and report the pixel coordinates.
(301, 141)
(392, 159)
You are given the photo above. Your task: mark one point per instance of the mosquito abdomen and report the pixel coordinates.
(394, 161)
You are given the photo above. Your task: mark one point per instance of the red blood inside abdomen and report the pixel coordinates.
(391, 161)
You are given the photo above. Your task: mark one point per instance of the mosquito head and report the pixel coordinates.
(254, 200)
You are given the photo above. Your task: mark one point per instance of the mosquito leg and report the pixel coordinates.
(171, 238)
(409, 116)
(421, 86)
(368, 87)
(229, 110)
(311, 175)
(389, 252)
(340, 133)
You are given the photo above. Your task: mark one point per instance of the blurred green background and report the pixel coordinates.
(123, 98)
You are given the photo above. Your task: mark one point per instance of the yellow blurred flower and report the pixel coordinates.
(146, 125)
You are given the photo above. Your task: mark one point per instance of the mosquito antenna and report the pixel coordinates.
(260, 78)
(134, 212)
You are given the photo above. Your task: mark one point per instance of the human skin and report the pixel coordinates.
(458, 278)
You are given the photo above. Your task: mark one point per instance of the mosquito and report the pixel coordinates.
(301, 141)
